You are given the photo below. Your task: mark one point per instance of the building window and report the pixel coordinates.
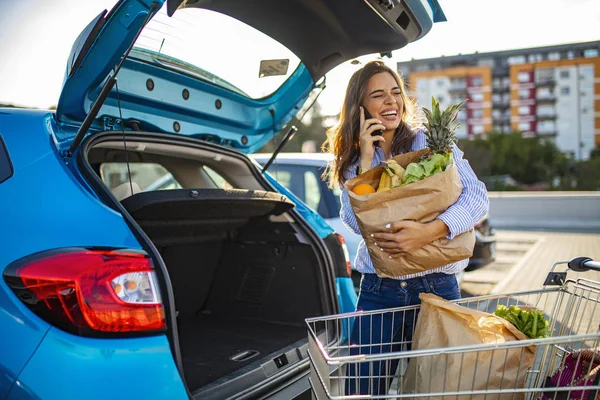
(524, 110)
(587, 72)
(546, 111)
(478, 113)
(516, 60)
(478, 129)
(564, 74)
(565, 90)
(589, 53)
(486, 62)
(554, 56)
(524, 77)
(524, 94)
(422, 84)
(477, 81)
(524, 126)
(441, 99)
(478, 97)
(441, 82)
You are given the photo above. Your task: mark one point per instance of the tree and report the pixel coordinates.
(312, 127)
(528, 160)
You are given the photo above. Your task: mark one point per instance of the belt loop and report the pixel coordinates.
(379, 280)
(426, 283)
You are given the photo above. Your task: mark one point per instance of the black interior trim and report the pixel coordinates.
(6, 167)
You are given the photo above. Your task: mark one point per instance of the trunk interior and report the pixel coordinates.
(244, 277)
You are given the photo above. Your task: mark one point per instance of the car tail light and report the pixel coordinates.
(346, 254)
(90, 291)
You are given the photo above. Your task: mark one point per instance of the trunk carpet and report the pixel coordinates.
(208, 342)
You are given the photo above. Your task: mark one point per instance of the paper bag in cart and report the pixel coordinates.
(420, 201)
(443, 324)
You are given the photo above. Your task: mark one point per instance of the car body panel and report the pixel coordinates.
(63, 219)
(82, 80)
(17, 327)
(100, 369)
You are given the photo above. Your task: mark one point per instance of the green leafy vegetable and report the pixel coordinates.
(531, 322)
(433, 164)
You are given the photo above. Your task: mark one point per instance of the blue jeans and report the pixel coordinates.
(374, 334)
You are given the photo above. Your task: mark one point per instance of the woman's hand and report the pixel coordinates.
(406, 237)
(367, 150)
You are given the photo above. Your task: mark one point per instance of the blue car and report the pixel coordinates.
(115, 284)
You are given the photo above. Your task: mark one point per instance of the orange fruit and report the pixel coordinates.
(362, 189)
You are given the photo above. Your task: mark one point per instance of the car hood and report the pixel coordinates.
(162, 94)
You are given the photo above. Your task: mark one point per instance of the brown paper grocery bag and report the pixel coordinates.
(443, 324)
(420, 201)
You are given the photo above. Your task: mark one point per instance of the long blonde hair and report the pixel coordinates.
(343, 138)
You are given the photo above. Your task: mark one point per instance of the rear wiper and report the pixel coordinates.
(108, 85)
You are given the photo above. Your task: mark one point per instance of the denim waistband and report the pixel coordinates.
(412, 284)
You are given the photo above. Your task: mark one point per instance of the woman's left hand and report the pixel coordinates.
(406, 237)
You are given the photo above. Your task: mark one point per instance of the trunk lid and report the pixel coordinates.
(220, 70)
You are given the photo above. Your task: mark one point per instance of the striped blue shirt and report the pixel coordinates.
(471, 206)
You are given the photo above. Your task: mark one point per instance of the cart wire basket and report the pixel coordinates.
(562, 366)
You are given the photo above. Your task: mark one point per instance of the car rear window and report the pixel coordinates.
(6, 168)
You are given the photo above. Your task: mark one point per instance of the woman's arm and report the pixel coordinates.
(472, 205)
(346, 213)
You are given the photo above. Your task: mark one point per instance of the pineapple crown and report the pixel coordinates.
(441, 126)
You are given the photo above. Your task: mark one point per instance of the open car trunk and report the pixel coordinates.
(244, 274)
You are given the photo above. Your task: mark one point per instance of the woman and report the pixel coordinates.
(375, 124)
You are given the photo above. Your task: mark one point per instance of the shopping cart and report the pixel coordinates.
(560, 367)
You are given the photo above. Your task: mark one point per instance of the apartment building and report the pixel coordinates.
(549, 91)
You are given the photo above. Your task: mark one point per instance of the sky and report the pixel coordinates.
(36, 37)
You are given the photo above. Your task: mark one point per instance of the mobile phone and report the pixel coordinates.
(378, 132)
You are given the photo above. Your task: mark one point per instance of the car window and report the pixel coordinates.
(174, 42)
(148, 176)
(284, 177)
(312, 190)
(337, 193)
(217, 178)
(6, 169)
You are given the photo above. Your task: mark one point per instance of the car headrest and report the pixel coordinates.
(124, 190)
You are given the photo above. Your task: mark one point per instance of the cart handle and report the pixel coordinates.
(582, 264)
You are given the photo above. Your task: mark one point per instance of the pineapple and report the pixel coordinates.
(440, 127)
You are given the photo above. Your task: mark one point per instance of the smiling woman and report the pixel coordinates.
(243, 59)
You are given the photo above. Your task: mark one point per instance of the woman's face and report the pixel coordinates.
(383, 100)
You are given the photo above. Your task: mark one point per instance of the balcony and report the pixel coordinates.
(546, 99)
(546, 116)
(501, 105)
(457, 88)
(502, 89)
(544, 82)
(501, 119)
(547, 132)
